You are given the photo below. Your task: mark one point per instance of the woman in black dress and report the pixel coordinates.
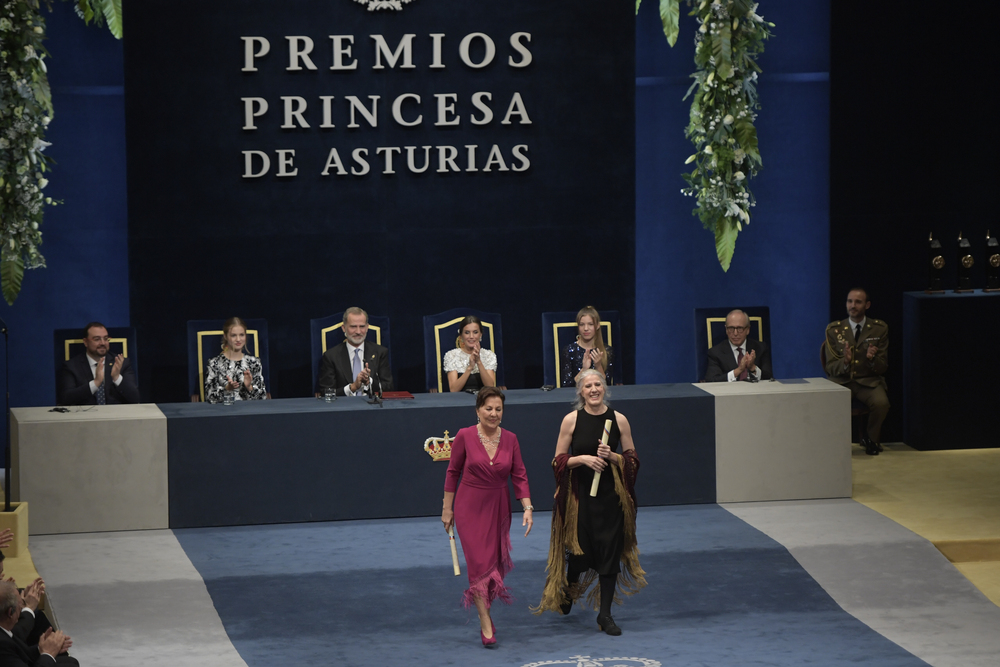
(593, 537)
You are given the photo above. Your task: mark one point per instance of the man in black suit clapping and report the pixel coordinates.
(738, 358)
(94, 378)
(356, 365)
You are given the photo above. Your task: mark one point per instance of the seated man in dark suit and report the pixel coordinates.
(93, 378)
(33, 623)
(738, 358)
(356, 366)
(52, 645)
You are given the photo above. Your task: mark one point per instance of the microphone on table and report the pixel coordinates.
(374, 389)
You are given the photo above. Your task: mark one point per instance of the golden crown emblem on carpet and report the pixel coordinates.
(375, 5)
(439, 448)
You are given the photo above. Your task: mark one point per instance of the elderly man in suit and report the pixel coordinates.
(95, 378)
(738, 358)
(52, 645)
(357, 365)
(857, 357)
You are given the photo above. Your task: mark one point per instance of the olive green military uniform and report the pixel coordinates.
(863, 376)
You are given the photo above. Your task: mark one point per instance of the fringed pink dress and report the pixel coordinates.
(482, 509)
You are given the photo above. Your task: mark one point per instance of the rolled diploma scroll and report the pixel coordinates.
(454, 551)
(597, 473)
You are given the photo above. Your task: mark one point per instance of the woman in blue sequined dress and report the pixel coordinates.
(588, 351)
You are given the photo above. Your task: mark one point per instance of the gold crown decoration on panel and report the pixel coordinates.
(374, 5)
(439, 448)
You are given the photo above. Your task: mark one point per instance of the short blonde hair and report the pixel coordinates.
(581, 378)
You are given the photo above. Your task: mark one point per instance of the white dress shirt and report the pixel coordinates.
(93, 372)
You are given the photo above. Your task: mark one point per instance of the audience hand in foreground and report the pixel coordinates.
(848, 353)
(247, 379)
(6, 537)
(32, 594)
(54, 642)
(871, 351)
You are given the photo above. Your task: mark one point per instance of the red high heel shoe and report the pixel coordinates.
(488, 642)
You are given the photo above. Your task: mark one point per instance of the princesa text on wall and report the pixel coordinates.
(362, 113)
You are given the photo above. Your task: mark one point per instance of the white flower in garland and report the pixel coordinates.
(730, 36)
(25, 109)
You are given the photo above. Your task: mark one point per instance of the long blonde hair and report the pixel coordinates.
(598, 336)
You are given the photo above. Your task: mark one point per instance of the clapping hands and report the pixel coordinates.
(116, 367)
(747, 363)
(474, 356)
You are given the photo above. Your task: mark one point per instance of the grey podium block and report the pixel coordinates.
(95, 468)
(782, 440)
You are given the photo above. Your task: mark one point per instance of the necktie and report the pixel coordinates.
(101, 396)
(739, 358)
(857, 335)
(356, 367)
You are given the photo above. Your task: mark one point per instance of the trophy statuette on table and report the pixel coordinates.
(935, 265)
(992, 264)
(965, 264)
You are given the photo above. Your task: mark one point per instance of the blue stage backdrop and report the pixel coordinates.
(783, 258)
(287, 160)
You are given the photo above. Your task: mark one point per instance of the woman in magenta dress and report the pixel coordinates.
(485, 456)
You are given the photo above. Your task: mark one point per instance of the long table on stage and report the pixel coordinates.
(292, 460)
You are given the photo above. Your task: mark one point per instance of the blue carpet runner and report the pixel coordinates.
(720, 594)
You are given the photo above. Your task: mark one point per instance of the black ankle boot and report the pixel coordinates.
(606, 623)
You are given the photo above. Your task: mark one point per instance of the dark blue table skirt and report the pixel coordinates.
(295, 460)
(951, 357)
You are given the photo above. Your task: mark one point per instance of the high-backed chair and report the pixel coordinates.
(69, 343)
(327, 332)
(559, 330)
(440, 332)
(710, 330)
(203, 339)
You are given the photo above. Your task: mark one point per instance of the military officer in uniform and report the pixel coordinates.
(857, 358)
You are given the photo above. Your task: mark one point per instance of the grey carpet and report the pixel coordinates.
(891, 579)
(132, 599)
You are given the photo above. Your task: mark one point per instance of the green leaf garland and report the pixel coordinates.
(730, 37)
(101, 11)
(25, 111)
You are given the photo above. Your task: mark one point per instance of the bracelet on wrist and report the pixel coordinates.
(529, 508)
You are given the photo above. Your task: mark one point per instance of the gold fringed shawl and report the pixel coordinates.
(563, 539)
